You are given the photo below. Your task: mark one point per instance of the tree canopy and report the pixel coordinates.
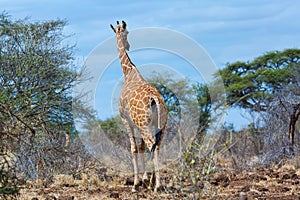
(36, 75)
(253, 84)
(258, 84)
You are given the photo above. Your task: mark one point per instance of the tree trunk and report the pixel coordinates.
(67, 145)
(292, 126)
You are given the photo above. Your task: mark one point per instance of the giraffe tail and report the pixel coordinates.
(158, 107)
(157, 139)
(159, 125)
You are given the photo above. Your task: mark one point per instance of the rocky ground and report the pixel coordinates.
(276, 182)
(259, 183)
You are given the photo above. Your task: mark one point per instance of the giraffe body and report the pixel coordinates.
(141, 108)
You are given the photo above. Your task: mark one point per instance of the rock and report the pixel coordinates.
(129, 181)
(243, 196)
(50, 197)
(246, 188)
(114, 195)
(66, 198)
(220, 179)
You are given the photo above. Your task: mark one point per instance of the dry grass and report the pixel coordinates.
(62, 180)
(276, 182)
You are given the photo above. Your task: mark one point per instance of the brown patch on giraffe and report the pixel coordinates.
(139, 89)
(140, 104)
(146, 100)
(133, 102)
(141, 112)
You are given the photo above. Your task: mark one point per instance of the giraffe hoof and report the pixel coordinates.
(134, 189)
(158, 189)
(145, 178)
(146, 183)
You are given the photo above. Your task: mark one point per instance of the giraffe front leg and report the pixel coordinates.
(145, 174)
(142, 149)
(134, 152)
(136, 172)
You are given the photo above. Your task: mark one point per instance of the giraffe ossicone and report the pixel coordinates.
(141, 108)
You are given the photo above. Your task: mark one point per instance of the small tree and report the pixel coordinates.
(37, 74)
(204, 106)
(255, 85)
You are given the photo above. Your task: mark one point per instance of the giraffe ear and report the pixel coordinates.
(124, 24)
(113, 28)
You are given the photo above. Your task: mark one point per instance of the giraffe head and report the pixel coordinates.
(121, 30)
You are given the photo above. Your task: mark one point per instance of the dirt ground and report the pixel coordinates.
(259, 183)
(276, 182)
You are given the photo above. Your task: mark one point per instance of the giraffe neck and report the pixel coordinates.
(128, 67)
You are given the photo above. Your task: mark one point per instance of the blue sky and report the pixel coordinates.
(228, 30)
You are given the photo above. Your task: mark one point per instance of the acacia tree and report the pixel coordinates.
(255, 85)
(37, 74)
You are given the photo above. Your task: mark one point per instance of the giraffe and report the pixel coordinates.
(141, 108)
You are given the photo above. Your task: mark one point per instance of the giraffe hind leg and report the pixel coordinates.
(134, 152)
(150, 142)
(159, 135)
(142, 149)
